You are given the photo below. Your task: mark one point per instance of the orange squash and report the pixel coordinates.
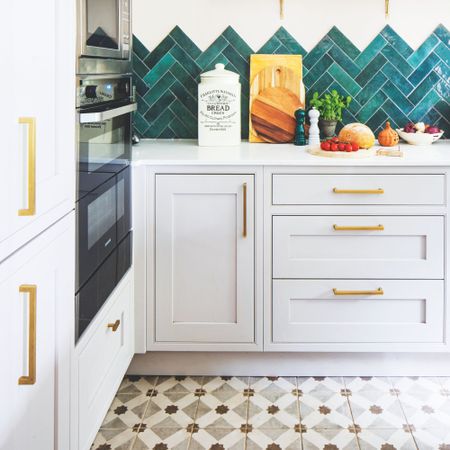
(359, 133)
(388, 137)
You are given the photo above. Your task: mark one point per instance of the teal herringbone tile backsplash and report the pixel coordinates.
(387, 80)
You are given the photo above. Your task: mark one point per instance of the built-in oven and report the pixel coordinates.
(105, 110)
(103, 208)
(104, 28)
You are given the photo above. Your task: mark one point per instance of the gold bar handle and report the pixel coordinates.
(244, 225)
(31, 290)
(31, 210)
(378, 191)
(359, 228)
(114, 326)
(378, 291)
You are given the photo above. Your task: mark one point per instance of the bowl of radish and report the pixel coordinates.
(419, 133)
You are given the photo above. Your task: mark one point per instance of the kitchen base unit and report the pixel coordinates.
(100, 360)
(266, 248)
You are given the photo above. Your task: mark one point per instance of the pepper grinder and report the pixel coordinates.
(300, 138)
(314, 132)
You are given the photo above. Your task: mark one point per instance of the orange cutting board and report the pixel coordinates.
(276, 92)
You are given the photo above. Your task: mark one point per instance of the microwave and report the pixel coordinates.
(104, 29)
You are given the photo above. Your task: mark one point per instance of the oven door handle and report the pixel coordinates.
(108, 114)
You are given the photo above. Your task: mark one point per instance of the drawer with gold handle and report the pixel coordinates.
(31, 291)
(352, 247)
(358, 189)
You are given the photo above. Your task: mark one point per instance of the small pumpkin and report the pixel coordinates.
(388, 137)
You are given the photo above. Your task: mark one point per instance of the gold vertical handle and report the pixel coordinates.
(244, 225)
(31, 290)
(281, 9)
(386, 8)
(31, 210)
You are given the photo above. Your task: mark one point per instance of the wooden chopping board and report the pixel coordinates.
(362, 153)
(276, 92)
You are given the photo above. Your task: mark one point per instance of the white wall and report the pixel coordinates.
(307, 20)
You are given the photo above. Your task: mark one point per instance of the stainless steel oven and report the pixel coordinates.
(104, 28)
(103, 208)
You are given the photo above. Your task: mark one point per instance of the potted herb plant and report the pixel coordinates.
(330, 106)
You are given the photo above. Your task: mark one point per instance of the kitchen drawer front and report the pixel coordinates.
(103, 360)
(296, 189)
(308, 311)
(393, 247)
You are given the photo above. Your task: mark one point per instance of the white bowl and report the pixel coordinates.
(419, 138)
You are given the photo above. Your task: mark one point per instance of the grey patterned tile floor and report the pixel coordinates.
(278, 413)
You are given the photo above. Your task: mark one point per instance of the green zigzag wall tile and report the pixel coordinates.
(387, 79)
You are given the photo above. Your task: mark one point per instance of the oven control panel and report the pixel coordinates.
(95, 91)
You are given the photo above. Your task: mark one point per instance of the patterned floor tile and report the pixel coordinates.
(174, 407)
(326, 406)
(386, 439)
(435, 439)
(125, 414)
(376, 409)
(309, 384)
(162, 439)
(114, 440)
(330, 439)
(273, 439)
(217, 439)
(184, 383)
(216, 413)
(425, 402)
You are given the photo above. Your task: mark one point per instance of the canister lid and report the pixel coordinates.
(220, 72)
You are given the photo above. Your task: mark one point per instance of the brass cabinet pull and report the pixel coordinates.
(244, 225)
(31, 290)
(359, 228)
(358, 191)
(114, 325)
(378, 291)
(31, 210)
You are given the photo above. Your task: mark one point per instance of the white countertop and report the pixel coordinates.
(187, 152)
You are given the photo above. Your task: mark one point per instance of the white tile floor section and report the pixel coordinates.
(278, 413)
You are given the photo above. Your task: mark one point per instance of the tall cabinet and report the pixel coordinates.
(37, 235)
(37, 185)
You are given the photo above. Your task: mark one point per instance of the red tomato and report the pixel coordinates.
(341, 147)
(325, 146)
(335, 139)
(334, 147)
(348, 147)
(355, 146)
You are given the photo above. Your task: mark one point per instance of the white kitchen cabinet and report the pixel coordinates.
(101, 358)
(38, 123)
(358, 247)
(36, 298)
(204, 260)
(358, 311)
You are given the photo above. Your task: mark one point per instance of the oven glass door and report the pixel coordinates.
(104, 218)
(102, 27)
(104, 149)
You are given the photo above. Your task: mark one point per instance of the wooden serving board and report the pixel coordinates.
(276, 92)
(362, 153)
